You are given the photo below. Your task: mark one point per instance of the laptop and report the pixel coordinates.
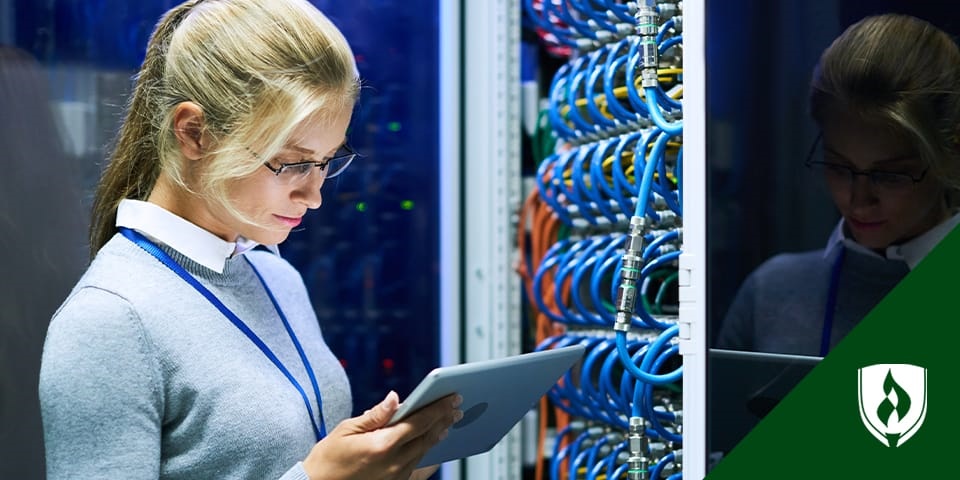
(496, 393)
(743, 388)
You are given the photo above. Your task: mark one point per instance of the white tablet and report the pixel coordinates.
(496, 395)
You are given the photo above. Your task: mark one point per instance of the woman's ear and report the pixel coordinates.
(188, 127)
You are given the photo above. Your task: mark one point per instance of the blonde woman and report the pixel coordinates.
(183, 352)
(886, 95)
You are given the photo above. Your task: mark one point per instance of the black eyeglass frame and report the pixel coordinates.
(350, 155)
(810, 163)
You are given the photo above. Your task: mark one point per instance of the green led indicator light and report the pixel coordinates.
(361, 206)
(393, 126)
(406, 204)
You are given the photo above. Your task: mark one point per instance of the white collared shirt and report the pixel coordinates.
(197, 244)
(911, 251)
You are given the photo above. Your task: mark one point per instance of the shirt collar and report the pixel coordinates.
(911, 252)
(161, 225)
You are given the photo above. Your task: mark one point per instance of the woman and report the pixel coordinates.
(885, 95)
(184, 352)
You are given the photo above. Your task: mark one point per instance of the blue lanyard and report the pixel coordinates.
(152, 249)
(831, 302)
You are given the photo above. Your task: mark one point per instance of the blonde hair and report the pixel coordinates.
(256, 68)
(902, 71)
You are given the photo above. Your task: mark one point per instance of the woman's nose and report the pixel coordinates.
(862, 190)
(308, 193)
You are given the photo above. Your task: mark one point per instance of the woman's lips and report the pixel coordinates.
(861, 225)
(289, 221)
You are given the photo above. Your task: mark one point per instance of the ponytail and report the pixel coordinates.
(135, 162)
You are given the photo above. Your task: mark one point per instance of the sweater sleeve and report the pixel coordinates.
(296, 473)
(736, 332)
(100, 391)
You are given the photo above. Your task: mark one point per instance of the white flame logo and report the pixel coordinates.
(893, 401)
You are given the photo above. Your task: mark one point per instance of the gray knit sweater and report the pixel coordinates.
(142, 377)
(780, 307)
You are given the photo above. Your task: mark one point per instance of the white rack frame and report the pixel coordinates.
(693, 264)
(450, 188)
(492, 197)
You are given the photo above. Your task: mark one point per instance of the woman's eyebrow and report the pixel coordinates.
(896, 159)
(300, 149)
(307, 151)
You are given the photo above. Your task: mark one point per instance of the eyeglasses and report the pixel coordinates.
(329, 168)
(836, 172)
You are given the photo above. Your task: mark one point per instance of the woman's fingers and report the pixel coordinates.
(360, 446)
(376, 417)
(415, 448)
(424, 473)
(443, 411)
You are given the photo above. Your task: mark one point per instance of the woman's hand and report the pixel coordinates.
(363, 447)
(424, 473)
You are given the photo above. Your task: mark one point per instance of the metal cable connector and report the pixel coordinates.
(648, 21)
(638, 463)
(632, 259)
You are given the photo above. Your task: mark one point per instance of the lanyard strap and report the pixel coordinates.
(141, 241)
(831, 302)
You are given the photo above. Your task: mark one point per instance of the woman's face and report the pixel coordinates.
(275, 203)
(878, 210)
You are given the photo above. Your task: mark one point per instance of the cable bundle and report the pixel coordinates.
(605, 233)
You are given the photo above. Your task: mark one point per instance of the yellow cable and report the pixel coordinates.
(600, 99)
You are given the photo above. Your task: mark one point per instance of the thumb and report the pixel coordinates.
(380, 414)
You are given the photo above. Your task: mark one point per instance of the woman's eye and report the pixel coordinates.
(836, 169)
(298, 169)
(891, 178)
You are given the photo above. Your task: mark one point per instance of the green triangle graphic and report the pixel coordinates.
(816, 431)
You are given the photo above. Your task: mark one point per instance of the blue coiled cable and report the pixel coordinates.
(576, 456)
(666, 27)
(605, 406)
(548, 190)
(596, 15)
(651, 248)
(639, 372)
(575, 79)
(620, 11)
(672, 128)
(620, 179)
(581, 27)
(562, 37)
(564, 267)
(633, 58)
(621, 185)
(678, 171)
(578, 189)
(599, 193)
(560, 126)
(643, 394)
(592, 316)
(558, 453)
(603, 263)
(549, 261)
(615, 61)
(657, 470)
(644, 317)
(590, 91)
(646, 182)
